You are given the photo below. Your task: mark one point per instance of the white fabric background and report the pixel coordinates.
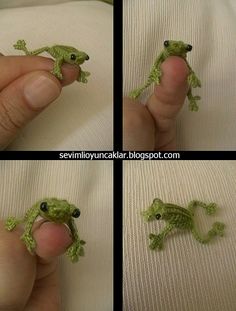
(210, 26)
(88, 284)
(21, 3)
(81, 119)
(185, 275)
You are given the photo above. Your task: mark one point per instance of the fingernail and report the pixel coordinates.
(40, 91)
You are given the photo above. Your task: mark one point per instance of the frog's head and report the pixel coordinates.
(177, 48)
(55, 210)
(76, 57)
(154, 211)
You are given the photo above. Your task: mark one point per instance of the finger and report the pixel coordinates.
(12, 67)
(138, 127)
(17, 270)
(167, 100)
(52, 240)
(23, 99)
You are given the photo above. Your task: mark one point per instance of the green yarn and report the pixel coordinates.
(180, 218)
(61, 54)
(172, 48)
(54, 210)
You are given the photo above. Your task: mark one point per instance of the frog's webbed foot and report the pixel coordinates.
(21, 45)
(156, 241)
(83, 76)
(76, 250)
(211, 208)
(193, 80)
(218, 228)
(11, 223)
(29, 242)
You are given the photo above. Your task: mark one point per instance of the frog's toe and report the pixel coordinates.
(83, 76)
(10, 223)
(211, 208)
(193, 106)
(20, 44)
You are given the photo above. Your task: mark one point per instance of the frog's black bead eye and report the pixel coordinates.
(158, 216)
(73, 57)
(166, 43)
(87, 57)
(76, 213)
(44, 206)
(189, 47)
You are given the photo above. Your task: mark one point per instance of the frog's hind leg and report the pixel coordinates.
(157, 240)
(217, 229)
(38, 51)
(209, 208)
(12, 222)
(21, 45)
(154, 77)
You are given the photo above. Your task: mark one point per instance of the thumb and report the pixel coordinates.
(22, 275)
(23, 99)
(167, 100)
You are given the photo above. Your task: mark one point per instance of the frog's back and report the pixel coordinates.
(58, 50)
(178, 216)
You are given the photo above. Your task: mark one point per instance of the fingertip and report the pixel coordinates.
(70, 74)
(176, 69)
(170, 93)
(52, 240)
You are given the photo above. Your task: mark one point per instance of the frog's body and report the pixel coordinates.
(54, 210)
(62, 54)
(172, 48)
(181, 218)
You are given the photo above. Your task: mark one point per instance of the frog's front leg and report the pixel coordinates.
(193, 106)
(27, 236)
(193, 80)
(57, 68)
(157, 240)
(76, 249)
(82, 77)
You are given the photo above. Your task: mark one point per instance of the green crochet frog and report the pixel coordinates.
(180, 218)
(62, 54)
(54, 210)
(172, 48)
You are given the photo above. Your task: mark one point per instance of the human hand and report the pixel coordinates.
(151, 126)
(27, 282)
(26, 88)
